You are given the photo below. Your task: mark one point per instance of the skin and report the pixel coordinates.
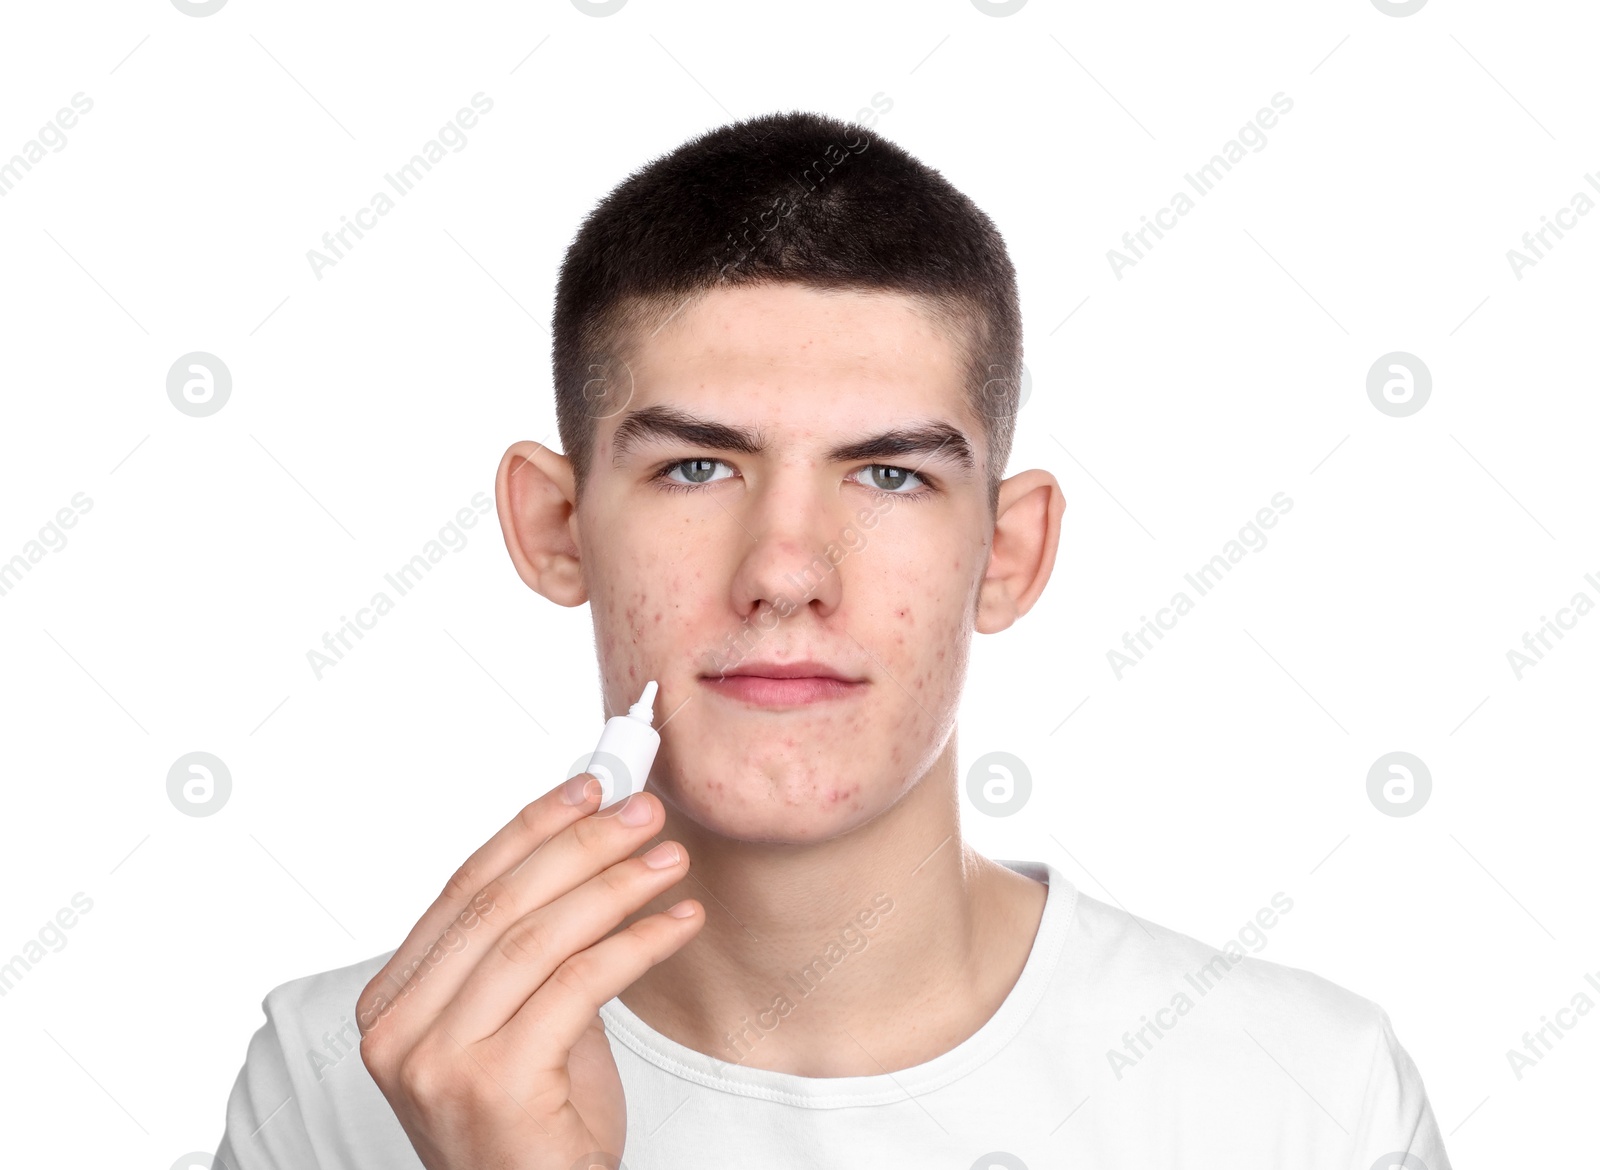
(795, 819)
(482, 1031)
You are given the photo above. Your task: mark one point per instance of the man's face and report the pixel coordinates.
(702, 560)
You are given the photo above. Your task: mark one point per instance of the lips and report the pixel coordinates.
(787, 684)
(802, 669)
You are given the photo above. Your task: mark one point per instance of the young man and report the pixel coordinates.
(786, 367)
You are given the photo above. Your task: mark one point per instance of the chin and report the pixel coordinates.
(779, 810)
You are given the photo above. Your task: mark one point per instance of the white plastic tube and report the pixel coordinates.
(627, 747)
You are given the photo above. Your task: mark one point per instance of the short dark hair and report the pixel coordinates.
(847, 209)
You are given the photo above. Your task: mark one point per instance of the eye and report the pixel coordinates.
(891, 480)
(698, 472)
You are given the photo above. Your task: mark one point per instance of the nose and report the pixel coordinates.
(794, 524)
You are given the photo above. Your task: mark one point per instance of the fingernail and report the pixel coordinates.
(635, 811)
(662, 856)
(580, 789)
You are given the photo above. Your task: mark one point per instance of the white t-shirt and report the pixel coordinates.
(1122, 1046)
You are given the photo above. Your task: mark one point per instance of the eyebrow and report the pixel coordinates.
(933, 436)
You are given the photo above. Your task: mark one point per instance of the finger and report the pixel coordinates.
(529, 950)
(520, 836)
(541, 1036)
(557, 864)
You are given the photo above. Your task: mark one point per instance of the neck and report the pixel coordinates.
(864, 954)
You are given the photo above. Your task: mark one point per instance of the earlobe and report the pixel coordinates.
(1027, 532)
(535, 498)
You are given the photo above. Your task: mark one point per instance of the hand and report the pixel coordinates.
(483, 1030)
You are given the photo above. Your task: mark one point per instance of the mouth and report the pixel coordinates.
(790, 684)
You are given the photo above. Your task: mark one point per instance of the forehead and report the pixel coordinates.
(803, 351)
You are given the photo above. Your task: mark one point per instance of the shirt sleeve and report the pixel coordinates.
(265, 1129)
(1397, 1130)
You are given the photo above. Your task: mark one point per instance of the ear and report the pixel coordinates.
(535, 497)
(1027, 530)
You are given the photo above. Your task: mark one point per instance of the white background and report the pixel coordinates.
(370, 405)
